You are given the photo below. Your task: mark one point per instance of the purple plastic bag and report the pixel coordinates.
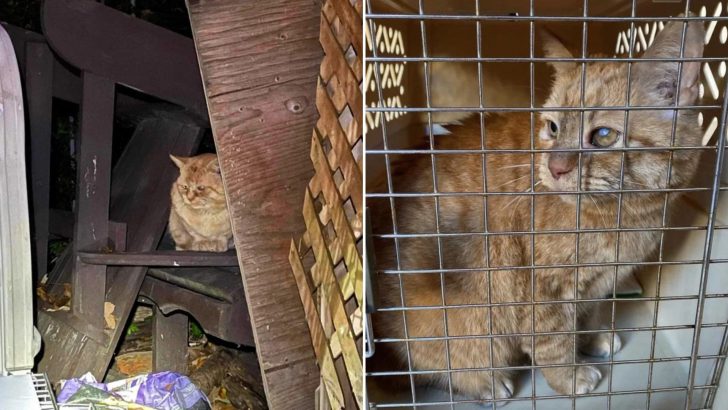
(162, 391)
(69, 387)
(171, 391)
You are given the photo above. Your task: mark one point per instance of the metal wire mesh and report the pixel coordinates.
(684, 280)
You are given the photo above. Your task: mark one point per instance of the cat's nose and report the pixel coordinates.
(561, 163)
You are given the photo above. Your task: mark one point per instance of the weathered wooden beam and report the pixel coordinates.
(159, 258)
(66, 79)
(169, 341)
(60, 222)
(39, 93)
(133, 52)
(93, 186)
(259, 63)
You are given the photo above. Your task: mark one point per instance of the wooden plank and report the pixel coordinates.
(259, 63)
(214, 282)
(60, 222)
(39, 89)
(169, 342)
(93, 184)
(15, 262)
(67, 80)
(225, 320)
(131, 51)
(159, 258)
(117, 236)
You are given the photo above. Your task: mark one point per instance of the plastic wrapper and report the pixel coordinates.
(161, 391)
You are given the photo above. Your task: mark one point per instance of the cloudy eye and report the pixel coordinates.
(553, 129)
(200, 187)
(604, 137)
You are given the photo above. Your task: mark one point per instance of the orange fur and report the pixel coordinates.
(606, 85)
(199, 220)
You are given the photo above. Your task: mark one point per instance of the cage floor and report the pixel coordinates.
(621, 377)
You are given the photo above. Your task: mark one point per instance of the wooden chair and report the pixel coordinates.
(120, 215)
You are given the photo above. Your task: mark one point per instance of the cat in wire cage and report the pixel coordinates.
(492, 313)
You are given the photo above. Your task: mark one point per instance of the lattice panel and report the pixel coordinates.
(327, 260)
(712, 74)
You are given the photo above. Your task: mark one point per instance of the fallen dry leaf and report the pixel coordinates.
(42, 293)
(195, 364)
(59, 309)
(109, 315)
(135, 363)
(53, 303)
(218, 398)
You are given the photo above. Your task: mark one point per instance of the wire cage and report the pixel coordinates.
(547, 214)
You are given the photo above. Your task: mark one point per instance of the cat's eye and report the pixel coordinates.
(604, 137)
(200, 187)
(185, 187)
(553, 129)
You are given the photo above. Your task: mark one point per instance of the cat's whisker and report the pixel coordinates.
(625, 204)
(599, 210)
(516, 199)
(510, 182)
(518, 166)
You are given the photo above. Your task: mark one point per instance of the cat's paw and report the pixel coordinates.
(602, 345)
(587, 378)
(204, 246)
(221, 246)
(562, 379)
(503, 388)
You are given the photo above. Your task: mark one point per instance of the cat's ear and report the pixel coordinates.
(214, 166)
(179, 161)
(658, 80)
(554, 48)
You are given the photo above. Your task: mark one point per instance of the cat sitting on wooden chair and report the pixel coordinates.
(198, 219)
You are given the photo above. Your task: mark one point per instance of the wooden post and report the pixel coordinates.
(39, 90)
(93, 185)
(169, 341)
(260, 63)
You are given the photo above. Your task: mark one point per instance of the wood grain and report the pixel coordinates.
(259, 63)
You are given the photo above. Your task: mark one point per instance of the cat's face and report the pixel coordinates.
(606, 131)
(199, 183)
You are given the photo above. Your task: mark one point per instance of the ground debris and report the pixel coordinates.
(234, 372)
(50, 302)
(229, 377)
(134, 363)
(109, 317)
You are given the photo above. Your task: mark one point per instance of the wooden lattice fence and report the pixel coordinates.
(327, 260)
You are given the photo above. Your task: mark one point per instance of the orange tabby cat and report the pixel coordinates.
(493, 269)
(198, 220)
